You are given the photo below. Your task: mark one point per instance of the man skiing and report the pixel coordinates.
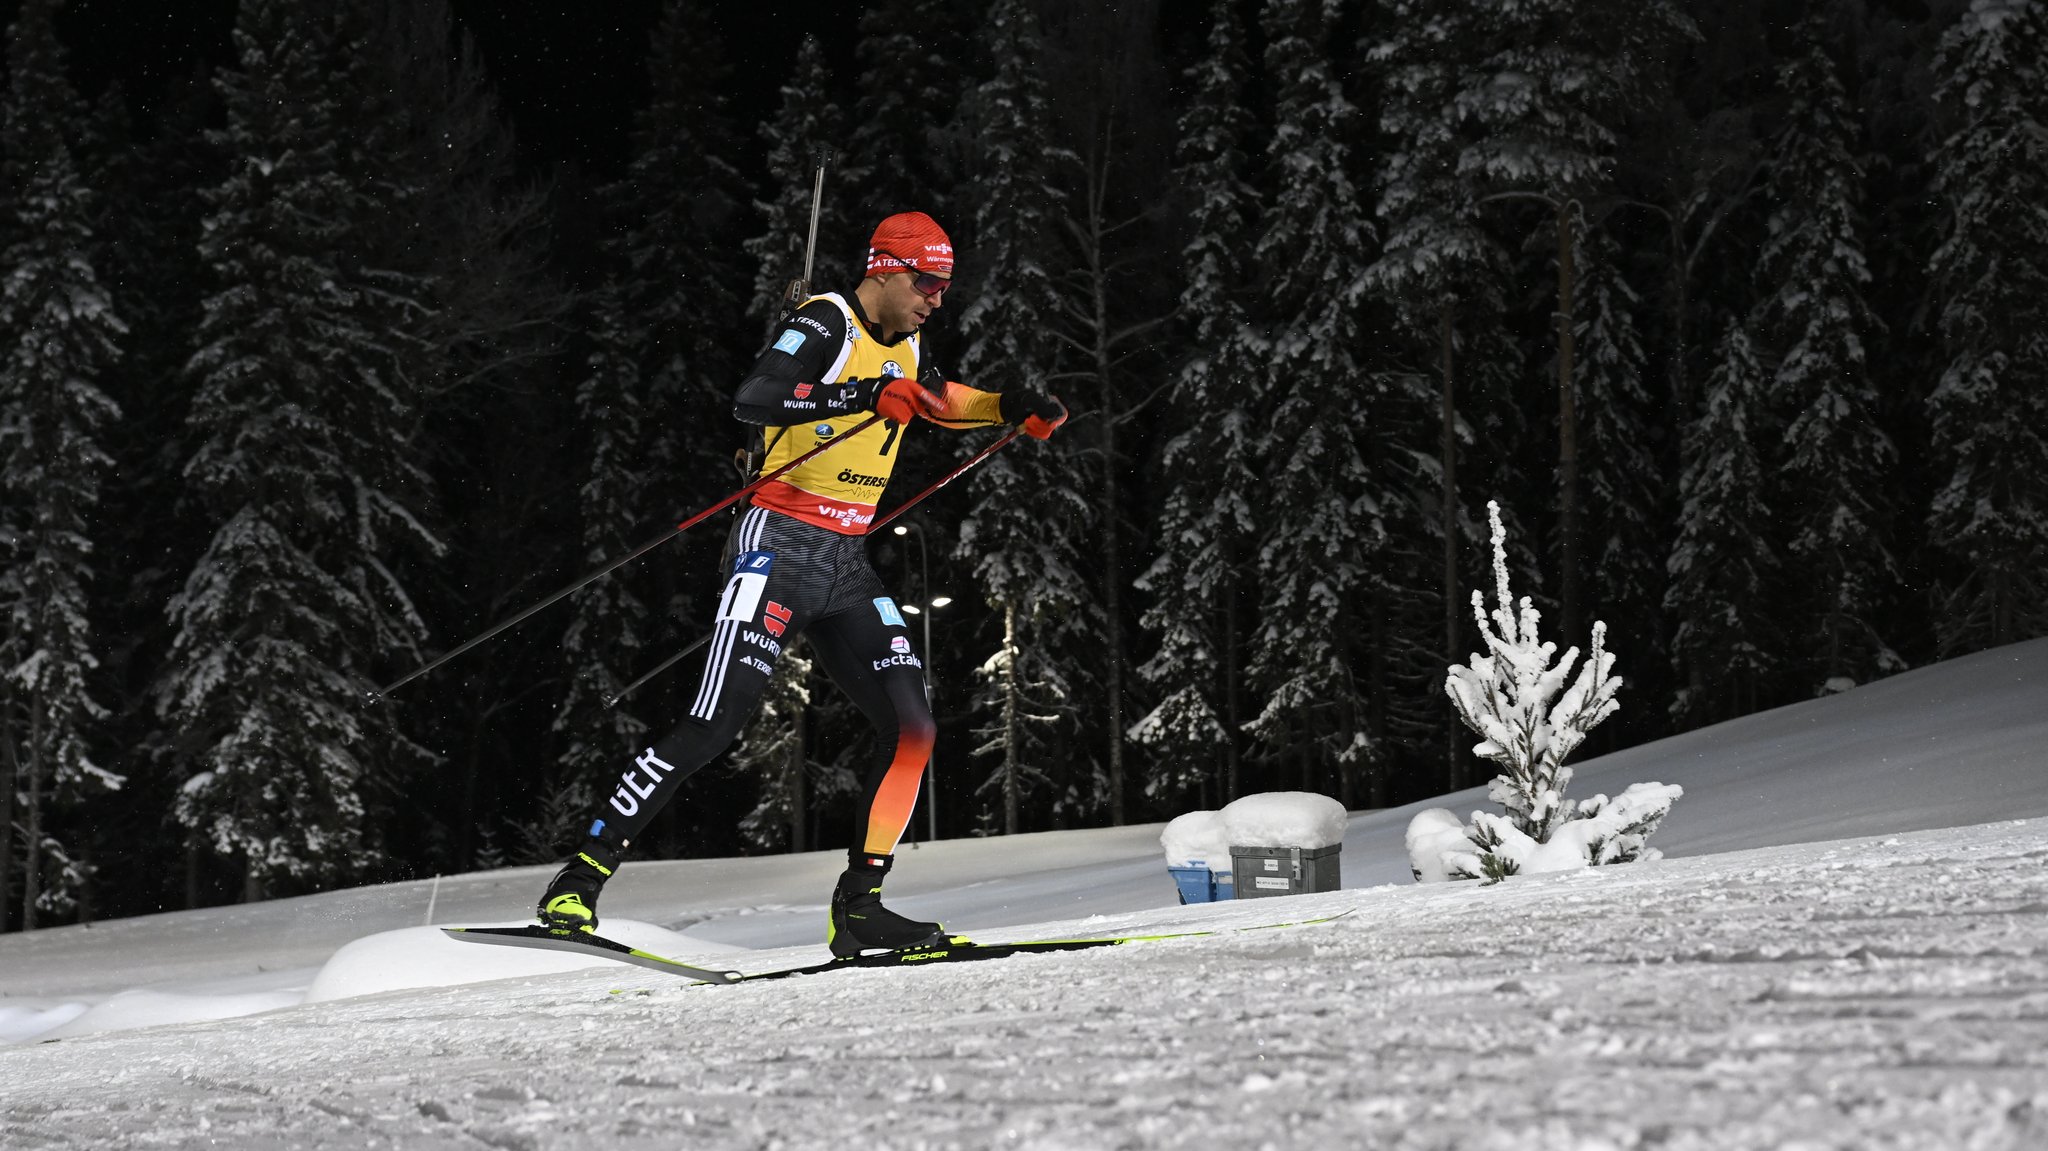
(799, 566)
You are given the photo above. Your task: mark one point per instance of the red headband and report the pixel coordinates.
(910, 242)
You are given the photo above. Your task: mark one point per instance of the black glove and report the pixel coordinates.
(1038, 412)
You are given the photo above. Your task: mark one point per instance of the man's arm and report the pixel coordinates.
(960, 406)
(784, 387)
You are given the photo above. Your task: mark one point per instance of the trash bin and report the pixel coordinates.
(1198, 884)
(1262, 871)
(1198, 856)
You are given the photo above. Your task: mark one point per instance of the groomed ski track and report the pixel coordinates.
(1882, 993)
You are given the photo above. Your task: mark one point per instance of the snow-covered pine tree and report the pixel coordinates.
(611, 622)
(1554, 84)
(1531, 713)
(1025, 700)
(905, 133)
(59, 335)
(1625, 497)
(301, 472)
(1838, 564)
(1029, 524)
(1989, 413)
(1114, 305)
(453, 224)
(809, 119)
(1721, 646)
(654, 407)
(1441, 274)
(1207, 521)
(1321, 526)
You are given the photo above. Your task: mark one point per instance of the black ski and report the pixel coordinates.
(962, 950)
(534, 935)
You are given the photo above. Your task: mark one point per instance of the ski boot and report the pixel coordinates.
(570, 902)
(859, 922)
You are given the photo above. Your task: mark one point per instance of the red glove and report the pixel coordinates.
(1038, 412)
(900, 399)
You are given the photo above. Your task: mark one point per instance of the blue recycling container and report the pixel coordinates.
(1200, 885)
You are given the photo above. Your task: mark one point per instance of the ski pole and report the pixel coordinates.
(948, 478)
(377, 694)
(905, 506)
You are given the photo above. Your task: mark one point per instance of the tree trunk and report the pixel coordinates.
(1010, 765)
(32, 832)
(1567, 422)
(1233, 691)
(1092, 241)
(10, 772)
(1453, 777)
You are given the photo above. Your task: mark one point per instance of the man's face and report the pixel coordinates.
(905, 308)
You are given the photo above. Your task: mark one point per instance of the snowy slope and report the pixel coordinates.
(1880, 992)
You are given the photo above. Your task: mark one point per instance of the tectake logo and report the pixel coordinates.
(900, 644)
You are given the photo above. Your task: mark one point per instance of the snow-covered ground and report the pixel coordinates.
(1847, 948)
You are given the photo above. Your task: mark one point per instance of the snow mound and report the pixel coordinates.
(143, 1007)
(19, 1024)
(429, 957)
(1433, 835)
(1285, 819)
(1197, 839)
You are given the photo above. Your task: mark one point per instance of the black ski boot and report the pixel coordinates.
(860, 923)
(570, 902)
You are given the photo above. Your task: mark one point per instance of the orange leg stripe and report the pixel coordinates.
(897, 796)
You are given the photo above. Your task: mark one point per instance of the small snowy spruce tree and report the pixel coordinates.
(1517, 699)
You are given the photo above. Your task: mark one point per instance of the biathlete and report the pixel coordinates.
(800, 567)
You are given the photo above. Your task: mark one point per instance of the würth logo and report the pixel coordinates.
(775, 618)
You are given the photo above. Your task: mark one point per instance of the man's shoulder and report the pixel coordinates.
(817, 324)
(825, 315)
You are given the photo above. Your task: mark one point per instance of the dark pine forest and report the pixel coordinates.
(333, 333)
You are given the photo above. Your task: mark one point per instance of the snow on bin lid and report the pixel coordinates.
(1284, 819)
(1197, 838)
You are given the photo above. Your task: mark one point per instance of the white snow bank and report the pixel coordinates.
(1285, 819)
(144, 1007)
(1433, 835)
(22, 1022)
(1197, 839)
(429, 957)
